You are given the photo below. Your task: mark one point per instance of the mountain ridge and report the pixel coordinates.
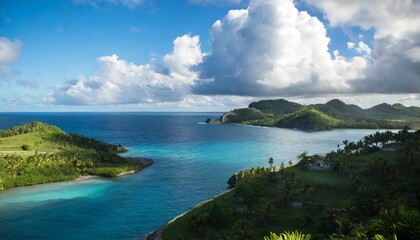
(334, 114)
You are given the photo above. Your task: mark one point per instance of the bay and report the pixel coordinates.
(192, 163)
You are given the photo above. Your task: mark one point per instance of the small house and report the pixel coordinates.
(319, 164)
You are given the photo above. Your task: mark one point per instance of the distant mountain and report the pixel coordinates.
(333, 114)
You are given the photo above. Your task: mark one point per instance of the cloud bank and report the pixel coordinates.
(269, 49)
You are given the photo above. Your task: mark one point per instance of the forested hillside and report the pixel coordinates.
(333, 114)
(38, 153)
(365, 190)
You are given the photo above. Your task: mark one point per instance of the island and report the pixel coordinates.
(37, 152)
(334, 114)
(368, 189)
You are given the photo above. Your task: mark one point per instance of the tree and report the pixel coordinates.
(267, 215)
(410, 148)
(25, 147)
(242, 231)
(271, 162)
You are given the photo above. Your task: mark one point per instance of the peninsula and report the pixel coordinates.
(37, 152)
(331, 115)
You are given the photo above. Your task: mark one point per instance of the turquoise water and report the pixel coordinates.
(192, 163)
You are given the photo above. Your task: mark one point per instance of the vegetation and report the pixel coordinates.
(289, 236)
(370, 191)
(333, 114)
(39, 153)
(308, 118)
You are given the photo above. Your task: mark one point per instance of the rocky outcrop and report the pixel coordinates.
(144, 162)
(223, 119)
(121, 149)
(233, 180)
(213, 121)
(156, 235)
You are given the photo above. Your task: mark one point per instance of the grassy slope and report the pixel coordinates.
(38, 141)
(329, 190)
(55, 159)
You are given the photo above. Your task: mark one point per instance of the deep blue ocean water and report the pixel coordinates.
(192, 163)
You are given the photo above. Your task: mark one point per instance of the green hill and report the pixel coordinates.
(339, 109)
(279, 106)
(308, 118)
(365, 193)
(39, 153)
(333, 114)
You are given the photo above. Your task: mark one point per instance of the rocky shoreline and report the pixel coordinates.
(144, 162)
(222, 119)
(158, 234)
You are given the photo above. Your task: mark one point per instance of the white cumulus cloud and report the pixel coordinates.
(363, 48)
(388, 17)
(395, 67)
(272, 48)
(121, 82)
(9, 53)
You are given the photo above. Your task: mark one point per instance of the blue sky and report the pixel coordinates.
(58, 44)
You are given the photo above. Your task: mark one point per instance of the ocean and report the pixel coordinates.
(193, 161)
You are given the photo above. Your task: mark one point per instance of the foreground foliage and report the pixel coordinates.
(370, 191)
(289, 236)
(39, 153)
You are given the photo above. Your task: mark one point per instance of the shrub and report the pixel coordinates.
(25, 147)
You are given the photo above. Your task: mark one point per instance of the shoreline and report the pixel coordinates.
(144, 162)
(158, 234)
(308, 130)
(84, 177)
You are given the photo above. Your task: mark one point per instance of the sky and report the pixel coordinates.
(206, 55)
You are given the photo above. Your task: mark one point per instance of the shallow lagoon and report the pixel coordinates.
(192, 163)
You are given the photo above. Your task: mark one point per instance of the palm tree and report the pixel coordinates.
(304, 160)
(343, 164)
(267, 215)
(271, 161)
(345, 142)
